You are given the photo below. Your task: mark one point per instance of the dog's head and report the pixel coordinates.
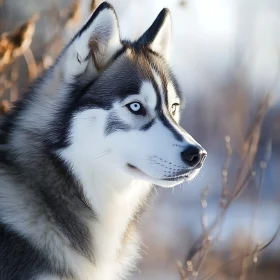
(127, 103)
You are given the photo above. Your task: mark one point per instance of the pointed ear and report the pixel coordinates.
(93, 47)
(158, 36)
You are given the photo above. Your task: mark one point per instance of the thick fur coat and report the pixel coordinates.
(81, 151)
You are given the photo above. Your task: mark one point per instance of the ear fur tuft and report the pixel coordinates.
(95, 44)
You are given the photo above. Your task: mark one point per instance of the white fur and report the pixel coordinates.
(113, 194)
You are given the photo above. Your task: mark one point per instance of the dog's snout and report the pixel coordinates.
(194, 156)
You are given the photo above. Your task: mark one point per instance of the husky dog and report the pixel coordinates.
(82, 150)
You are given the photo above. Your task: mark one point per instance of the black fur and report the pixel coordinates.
(113, 124)
(148, 125)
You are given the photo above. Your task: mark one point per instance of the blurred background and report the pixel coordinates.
(226, 56)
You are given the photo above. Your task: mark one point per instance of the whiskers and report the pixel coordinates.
(171, 171)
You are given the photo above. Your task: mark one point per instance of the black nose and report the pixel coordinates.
(194, 156)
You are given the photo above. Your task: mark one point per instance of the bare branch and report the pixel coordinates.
(247, 255)
(204, 243)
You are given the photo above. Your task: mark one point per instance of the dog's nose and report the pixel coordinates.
(194, 156)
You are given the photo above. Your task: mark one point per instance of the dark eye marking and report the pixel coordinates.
(174, 108)
(148, 125)
(136, 108)
(114, 124)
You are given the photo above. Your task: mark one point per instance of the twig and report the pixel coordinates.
(250, 254)
(225, 190)
(201, 247)
(263, 167)
(203, 201)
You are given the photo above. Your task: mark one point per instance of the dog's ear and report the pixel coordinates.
(93, 47)
(158, 36)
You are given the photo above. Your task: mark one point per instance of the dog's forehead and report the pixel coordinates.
(154, 69)
(130, 73)
(148, 94)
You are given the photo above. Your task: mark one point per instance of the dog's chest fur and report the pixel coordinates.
(116, 241)
(116, 200)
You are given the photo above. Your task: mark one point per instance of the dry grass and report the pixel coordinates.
(15, 43)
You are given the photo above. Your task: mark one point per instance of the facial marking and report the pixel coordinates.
(114, 124)
(165, 96)
(173, 99)
(158, 82)
(172, 127)
(148, 125)
(149, 96)
(161, 79)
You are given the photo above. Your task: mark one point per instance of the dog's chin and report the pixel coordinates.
(164, 182)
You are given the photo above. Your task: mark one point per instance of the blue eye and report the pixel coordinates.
(136, 108)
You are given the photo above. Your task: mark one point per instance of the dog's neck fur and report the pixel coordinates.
(117, 207)
(108, 230)
(116, 199)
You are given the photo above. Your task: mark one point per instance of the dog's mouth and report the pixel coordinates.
(137, 170)
(184, 176)
(179, 177)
